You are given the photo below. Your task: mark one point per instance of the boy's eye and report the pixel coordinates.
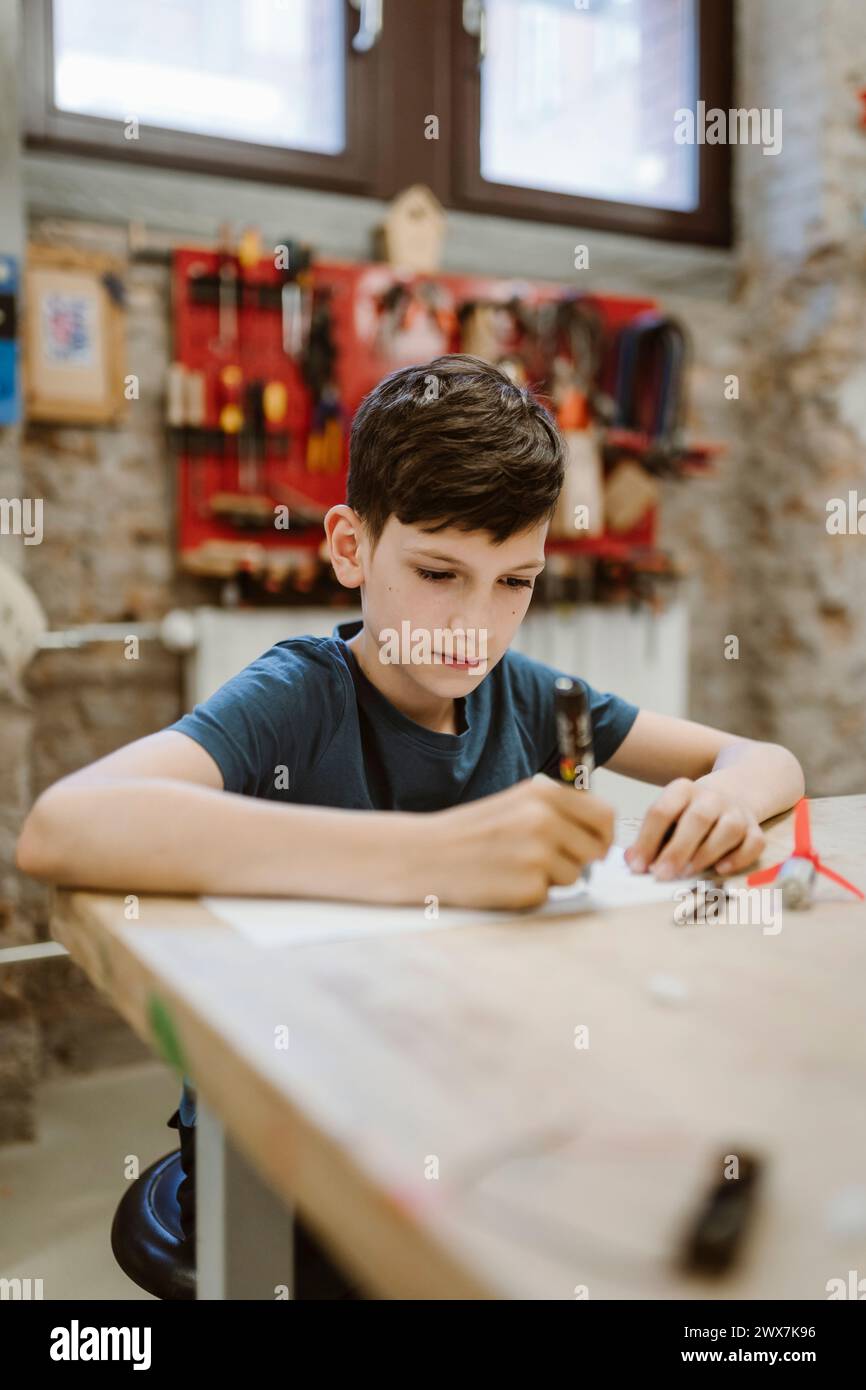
(434, 575)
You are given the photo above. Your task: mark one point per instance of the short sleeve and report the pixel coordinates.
(533, 684)
(611, 716)
(279, 713)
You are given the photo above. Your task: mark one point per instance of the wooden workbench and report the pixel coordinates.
(563, 1171)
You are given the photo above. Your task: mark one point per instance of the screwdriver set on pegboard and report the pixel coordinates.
(274, 352)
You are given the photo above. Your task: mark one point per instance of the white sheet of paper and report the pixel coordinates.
(294, 921)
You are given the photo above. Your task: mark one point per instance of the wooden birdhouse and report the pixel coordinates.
(413, 231)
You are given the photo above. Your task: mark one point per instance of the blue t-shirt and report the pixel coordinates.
(303, 724)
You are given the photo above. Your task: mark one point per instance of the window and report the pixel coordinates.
(557, 110)
(265, 73)
(566, 112)
(253, 86)
(595, 94)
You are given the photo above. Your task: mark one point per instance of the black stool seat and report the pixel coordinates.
(146, 1235)
(148, 1243)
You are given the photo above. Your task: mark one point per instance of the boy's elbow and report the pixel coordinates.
(36, 849)
(796, 776)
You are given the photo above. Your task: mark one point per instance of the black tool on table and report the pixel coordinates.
(721, 1222)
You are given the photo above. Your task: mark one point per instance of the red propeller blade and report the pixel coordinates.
(802, 850)
(763, 876)
(802, 829)
(837, 878)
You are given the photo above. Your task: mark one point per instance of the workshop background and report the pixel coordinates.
(739, 499)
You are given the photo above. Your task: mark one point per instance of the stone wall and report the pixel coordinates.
(802, 252)
(107, 556)
(19, 1039)
(701, 518)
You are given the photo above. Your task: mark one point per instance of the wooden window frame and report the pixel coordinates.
(354, 170)
(709, 222)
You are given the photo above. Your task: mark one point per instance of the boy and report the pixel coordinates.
(400, 757)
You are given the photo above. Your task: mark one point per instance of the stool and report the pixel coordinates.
(146, 1235)
(148, 1244)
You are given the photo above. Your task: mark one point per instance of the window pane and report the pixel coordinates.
(582, 100)
(266, 71)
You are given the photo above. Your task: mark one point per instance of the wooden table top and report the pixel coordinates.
(435, 1120)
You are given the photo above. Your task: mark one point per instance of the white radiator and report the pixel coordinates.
(639, 655)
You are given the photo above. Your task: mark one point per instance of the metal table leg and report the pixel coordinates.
(244, 1240)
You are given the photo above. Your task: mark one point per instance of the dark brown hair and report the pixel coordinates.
(454, 442)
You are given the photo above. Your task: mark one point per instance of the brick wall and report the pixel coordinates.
(802, 256)
(107, 556)
(19, 1052)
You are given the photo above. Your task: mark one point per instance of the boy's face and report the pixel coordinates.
(462, 597)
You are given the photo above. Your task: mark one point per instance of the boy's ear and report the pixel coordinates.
(344, 531)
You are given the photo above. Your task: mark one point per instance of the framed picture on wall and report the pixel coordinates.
(74, 336)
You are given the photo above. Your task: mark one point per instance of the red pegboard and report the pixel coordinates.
(356, 291)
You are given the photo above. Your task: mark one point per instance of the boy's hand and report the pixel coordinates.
(508, 849)
(708, 827)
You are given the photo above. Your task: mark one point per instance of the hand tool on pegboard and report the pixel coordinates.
(325, 438)
(577, 341)
(185, 414)
(415, 322)
(228, 293)
(579, 332)
(277, 437)
(296, 295)
(650, 387)
(250, 506)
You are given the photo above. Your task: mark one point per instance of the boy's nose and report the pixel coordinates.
(469, 635)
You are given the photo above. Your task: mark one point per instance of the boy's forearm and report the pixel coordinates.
(763, 776)
(162, 835)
